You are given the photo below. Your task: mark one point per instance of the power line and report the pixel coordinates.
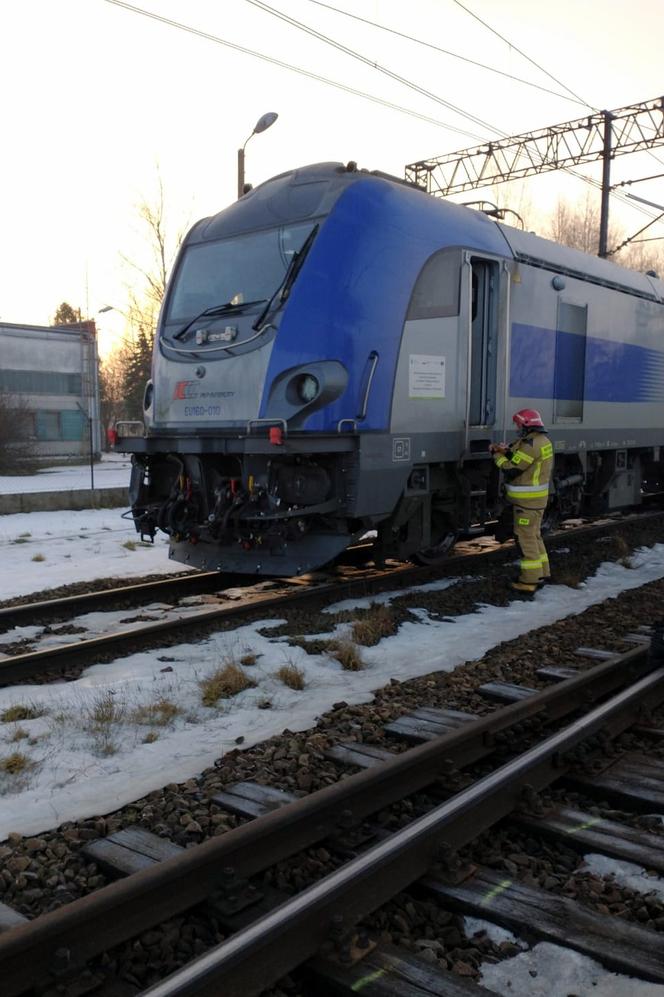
(371, 63)
(207, 36)
(445, 51)
(493, 31)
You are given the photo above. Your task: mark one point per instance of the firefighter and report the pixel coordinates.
(527, 465)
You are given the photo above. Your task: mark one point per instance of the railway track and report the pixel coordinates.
(572, 721)
(291, 594)
(27, 612)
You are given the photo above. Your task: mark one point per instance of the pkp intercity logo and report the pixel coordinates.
(184, 390)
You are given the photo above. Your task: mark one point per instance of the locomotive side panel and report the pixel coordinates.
(590, 357)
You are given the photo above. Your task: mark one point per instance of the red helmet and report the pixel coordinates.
(527, 418)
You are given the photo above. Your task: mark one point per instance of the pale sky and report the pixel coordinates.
(96, 95)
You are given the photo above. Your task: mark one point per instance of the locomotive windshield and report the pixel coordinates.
(245, 268)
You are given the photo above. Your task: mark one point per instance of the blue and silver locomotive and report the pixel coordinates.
(336, 352)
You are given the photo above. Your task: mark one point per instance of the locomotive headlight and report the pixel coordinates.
(307, 387)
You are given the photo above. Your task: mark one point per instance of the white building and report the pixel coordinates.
(54, 371)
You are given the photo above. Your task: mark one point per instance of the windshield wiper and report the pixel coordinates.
(292, 270)
(228, 306)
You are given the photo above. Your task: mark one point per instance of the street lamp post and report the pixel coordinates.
(261, 125)
(91, 446)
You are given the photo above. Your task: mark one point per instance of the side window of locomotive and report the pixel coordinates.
(436, 291)
(570, 364)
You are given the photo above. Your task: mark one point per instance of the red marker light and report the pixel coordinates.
(276, 436)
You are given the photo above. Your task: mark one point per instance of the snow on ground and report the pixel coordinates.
(42, 550)
(552, 971)
(627, 874)
(111, 472)
(90, 752)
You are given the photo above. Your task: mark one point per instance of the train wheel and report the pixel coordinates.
(438, 553)
(445, 538)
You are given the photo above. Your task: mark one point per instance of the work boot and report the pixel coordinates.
(524, 587)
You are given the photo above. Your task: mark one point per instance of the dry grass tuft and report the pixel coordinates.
(151, 737)
(104, 711)
(129, 544)
(158, 714)
(377, 623)
(19, 734)
(37, 557)
(224, 682)
(15, 763)
(292, 676)
(347, 654)
(249, 659)
(21, 711)
(623, 552)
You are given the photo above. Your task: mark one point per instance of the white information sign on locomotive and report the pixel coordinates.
(426, 376)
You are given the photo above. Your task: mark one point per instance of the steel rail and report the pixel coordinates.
(11, 616)
(126, 908)
(259, 955)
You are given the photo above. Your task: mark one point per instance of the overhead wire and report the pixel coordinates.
(445, 51)
(208, 36)
(307, 29)
(521, 53)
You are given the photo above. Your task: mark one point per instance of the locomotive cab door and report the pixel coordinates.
(483, 344)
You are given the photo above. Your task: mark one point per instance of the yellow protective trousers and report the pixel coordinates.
(534, 564)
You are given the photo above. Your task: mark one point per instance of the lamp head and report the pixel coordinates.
(264, 122)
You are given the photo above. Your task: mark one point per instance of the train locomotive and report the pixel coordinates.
(337, 350)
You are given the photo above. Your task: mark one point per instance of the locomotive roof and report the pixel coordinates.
(312, 190)
(530, 248)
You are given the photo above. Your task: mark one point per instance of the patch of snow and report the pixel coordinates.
(113, 471)
(627, 874)
(75, 546)
(553, 971)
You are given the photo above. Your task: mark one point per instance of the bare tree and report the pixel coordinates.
(576, 225)
(126, 371)
(641, 256)
(112, 403)
(17, 443)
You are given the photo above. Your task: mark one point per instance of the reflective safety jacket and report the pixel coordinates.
(527, 465)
